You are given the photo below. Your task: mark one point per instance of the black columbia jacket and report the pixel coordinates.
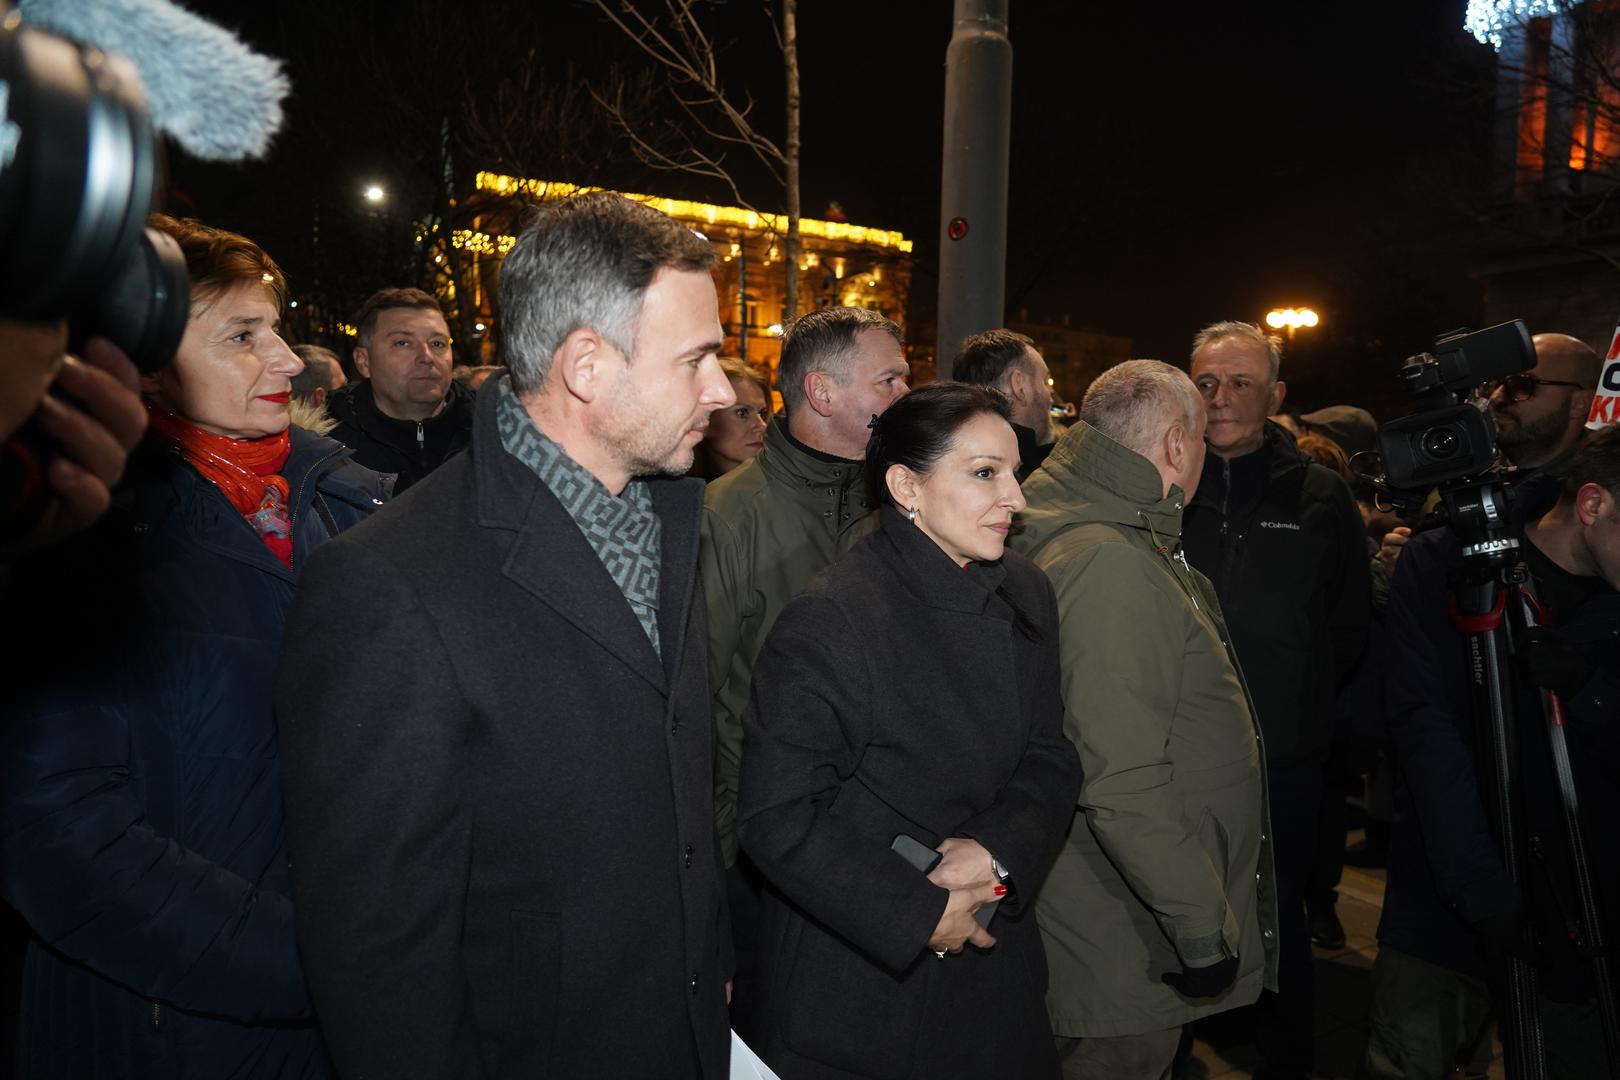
(408, 448)
(1282, 541)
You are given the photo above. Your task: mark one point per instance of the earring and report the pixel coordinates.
(911, 515)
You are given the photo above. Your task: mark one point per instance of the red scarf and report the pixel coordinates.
(247, 471)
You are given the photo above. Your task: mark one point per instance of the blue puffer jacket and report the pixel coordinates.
(140, 787)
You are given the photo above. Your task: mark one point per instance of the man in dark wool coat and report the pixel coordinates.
(494, 705)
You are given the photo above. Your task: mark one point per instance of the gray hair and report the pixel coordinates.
(1220, 331)
(320, 364)
(1136, 402)
(586, 262)
(822, 341)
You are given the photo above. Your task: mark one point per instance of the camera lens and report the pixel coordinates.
(78, 164)
(1440, 442)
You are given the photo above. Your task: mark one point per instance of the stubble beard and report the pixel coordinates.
(1531, 439)
(640, 438)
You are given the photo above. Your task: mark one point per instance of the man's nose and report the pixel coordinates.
(719, 393)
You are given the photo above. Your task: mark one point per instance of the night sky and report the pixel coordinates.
(1171, 164)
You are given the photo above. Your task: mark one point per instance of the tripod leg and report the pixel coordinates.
(1522, 1034)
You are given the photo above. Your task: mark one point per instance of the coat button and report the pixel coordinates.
(689, 851)
(694, 983)
(1265, 933)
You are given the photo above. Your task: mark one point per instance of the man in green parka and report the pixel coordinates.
(772, 524)
(1160, 907)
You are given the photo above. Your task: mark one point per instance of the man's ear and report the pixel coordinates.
(1175, 446)
(1592, 502)
(318, 396)
(362, 362)
(581, 364)
(1580, 405)
(1278, 392)
(1017, 385)
(818, 392)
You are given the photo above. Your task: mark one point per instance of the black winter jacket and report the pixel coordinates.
(1445, 868)
(900, 693)
(1285, 549)
(141, 786)
(407, 448)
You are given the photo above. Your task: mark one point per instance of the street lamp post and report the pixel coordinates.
(1291, 319)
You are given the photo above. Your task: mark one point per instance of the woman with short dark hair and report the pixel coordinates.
(906, 771)
(140, 785)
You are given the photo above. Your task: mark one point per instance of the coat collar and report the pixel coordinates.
(357, 405)
(551, 559)
(928, 573)
(803, 474)
(1108, 482)
(1279, 458)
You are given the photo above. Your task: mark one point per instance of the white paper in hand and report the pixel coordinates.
(745, 1064)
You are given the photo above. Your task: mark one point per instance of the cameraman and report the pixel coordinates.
(1452, 915)
(1540, 415)
(93, 419)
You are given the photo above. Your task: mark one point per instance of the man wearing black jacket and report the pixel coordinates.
(499, 790)
(1450, 906)
(1281, 539)
(405, 415)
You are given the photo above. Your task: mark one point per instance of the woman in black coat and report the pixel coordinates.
(912, 690)
(141, 829)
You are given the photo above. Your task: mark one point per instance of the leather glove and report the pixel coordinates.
(1547, 660)
(1203, 982)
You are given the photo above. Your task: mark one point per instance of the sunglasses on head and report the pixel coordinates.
(1521, 387)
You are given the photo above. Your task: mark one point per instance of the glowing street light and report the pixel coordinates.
(374, 193)
(1292, 319)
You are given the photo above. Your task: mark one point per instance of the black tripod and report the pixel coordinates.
(1495, 605)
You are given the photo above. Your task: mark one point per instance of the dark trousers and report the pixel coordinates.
(1285, 1022)
(1339, 782)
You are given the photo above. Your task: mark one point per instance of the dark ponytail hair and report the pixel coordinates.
(918, 430)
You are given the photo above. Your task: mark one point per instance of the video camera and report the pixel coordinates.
(1448, 438)
(78, 167)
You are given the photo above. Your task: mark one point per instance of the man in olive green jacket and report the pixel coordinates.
(1159, 909)
(775, 521)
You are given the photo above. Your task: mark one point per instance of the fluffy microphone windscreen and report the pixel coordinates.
(213, 95)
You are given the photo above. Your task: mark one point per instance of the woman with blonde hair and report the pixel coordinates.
(735, 434)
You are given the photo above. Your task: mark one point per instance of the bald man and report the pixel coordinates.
(1541, 413)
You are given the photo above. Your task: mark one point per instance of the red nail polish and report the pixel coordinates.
(1001, 890)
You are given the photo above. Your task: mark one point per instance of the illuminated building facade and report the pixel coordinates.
(839, 263)
(1555, 259)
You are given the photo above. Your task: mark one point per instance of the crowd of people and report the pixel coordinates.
(380, 718)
